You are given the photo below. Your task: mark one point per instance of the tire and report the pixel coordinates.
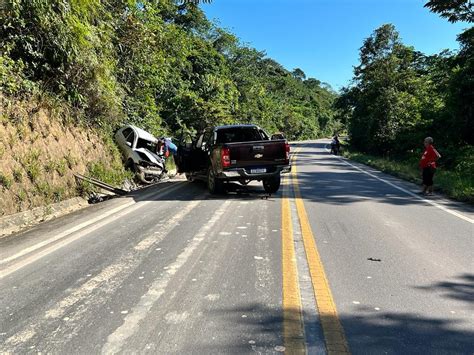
(130, 165)
(272, 185)
(214, 185)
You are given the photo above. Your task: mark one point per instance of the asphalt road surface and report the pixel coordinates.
(343, 259)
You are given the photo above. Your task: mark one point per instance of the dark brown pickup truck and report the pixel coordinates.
(239, 153)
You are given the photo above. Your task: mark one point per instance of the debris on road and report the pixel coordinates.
(374, 259)
(101, 184)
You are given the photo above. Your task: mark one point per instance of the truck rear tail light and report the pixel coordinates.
(287, 150)
(225, 157)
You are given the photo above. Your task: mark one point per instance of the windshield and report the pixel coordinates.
(238, 134)
(143, 143)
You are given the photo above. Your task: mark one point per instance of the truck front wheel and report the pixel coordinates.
(271, 185)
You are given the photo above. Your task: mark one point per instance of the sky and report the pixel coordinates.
(323, 37)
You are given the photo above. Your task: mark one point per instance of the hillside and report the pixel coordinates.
(40, 151)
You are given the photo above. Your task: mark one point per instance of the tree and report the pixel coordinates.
(461, 90)
(458, 118)
(389, 94)
(298, 74)
(453, 10)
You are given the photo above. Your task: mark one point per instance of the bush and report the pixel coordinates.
(17, 175)
(5, 181)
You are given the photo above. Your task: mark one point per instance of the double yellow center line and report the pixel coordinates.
(293, 321)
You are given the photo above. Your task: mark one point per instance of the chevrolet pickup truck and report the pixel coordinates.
(240, 153)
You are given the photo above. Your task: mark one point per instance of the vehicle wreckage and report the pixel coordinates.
(141, 153)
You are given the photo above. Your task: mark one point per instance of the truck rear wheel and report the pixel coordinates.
(271, 185)
(214, 185)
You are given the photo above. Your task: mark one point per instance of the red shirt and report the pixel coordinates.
(428, 159)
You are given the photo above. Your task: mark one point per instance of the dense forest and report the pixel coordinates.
(159, 64)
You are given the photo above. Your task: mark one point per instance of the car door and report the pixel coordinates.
(184, 155)
(202, 152)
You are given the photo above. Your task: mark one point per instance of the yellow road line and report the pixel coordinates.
(293, 333)
(334, 336)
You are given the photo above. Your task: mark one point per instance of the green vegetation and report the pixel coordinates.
(17, 175)
(113, 176)
(70, 160)
(454, 183)
(400, 95)
(5, 181)
(158, 64)
(22, 196)
(30, 162)
(170, 164)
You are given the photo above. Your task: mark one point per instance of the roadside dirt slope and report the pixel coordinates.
(40, 151)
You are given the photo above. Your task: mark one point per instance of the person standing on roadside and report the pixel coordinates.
(428, 165)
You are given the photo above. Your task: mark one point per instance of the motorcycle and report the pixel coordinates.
(335, 149)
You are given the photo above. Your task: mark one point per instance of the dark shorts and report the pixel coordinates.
(428, 174)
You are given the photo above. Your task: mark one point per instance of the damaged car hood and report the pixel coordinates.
(152, 157)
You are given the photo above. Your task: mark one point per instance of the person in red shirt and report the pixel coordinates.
(428, 165)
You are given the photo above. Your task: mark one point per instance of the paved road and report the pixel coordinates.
(175, 270)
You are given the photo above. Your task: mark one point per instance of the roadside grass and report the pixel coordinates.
(457, 184)
(113, 175)
(17, 175)
(31, 163)
(5, 181)
(170, 164)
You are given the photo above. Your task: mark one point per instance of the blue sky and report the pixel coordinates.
(323, 37)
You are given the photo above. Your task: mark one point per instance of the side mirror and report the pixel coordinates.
(277, 136)
(128, 143)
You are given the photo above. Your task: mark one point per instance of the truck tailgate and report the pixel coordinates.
(259, 153)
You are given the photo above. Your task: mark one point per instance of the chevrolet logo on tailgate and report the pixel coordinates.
(258, 156)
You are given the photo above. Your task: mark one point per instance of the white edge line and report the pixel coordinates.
(454, 213)
(66, 241)
(83, 225)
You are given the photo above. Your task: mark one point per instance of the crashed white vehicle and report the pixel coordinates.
(139, 151)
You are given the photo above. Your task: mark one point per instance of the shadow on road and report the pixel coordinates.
(369, 332)
(338, 183)
(197, 190)
(461, 288)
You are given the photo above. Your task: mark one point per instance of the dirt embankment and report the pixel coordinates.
(40, 151)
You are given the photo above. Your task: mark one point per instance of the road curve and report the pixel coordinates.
(343, 259)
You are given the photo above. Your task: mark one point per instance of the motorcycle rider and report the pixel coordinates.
(335, 145)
